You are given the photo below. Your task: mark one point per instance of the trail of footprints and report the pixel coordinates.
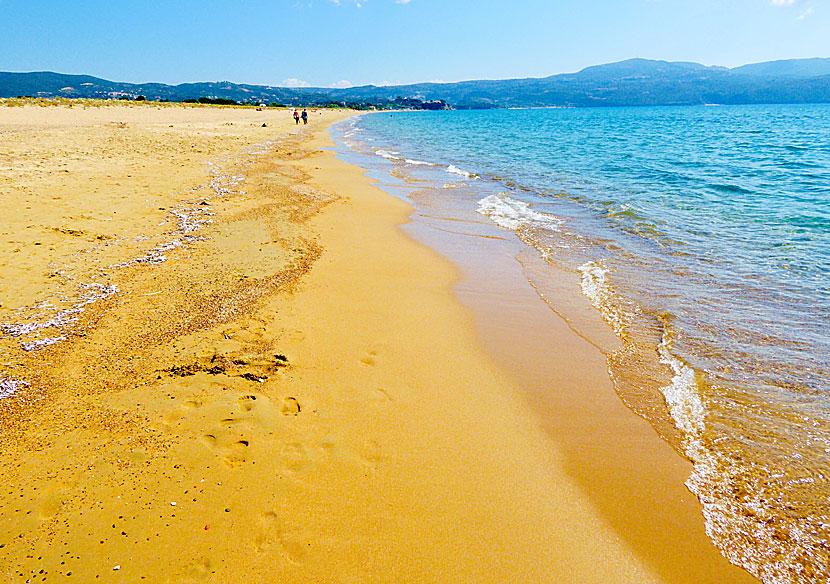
(228, 438)
(228, 424)
(228, 421)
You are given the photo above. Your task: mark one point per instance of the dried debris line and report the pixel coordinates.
(190, 217)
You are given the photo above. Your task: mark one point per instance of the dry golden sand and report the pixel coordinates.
(297, 397)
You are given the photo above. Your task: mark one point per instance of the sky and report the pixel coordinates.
(327, 43)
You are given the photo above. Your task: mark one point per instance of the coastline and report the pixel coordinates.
(633, 478)
(298, 396)
(537, 326)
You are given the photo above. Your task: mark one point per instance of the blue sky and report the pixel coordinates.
(328, 42)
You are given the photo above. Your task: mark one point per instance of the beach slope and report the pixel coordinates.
(223, 362)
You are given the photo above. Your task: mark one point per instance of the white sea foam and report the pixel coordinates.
(594, 279)
(264, 148)
(452, 169)
(597, 288)
(97, 292)
(710, 479)
(153, 257)
(681, 394)
(689, 415)
(388, 154)
(512, 214)
(8, 387)
(418, 162)
(711, 472)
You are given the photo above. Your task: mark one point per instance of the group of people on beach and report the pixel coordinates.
(297, 117)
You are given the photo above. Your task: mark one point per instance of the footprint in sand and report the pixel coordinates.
(180, 412)
(231, 422)
(247, 402)
(210, 440)
(198, 570)
(297, 457)
(246, 416)
(50, 505)
(274, 535)
(236, 453)
(268, 532)
(233, 453)
(373, 454)
(370, 358)
(290, 406)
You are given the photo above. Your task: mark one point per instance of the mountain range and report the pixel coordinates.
(634, 82)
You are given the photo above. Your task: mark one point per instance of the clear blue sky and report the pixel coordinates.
(323, 42)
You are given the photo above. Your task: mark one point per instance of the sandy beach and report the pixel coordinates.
(224, 361)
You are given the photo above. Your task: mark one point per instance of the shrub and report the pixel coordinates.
(217, 101)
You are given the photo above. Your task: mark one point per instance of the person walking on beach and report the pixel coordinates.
(296, 117)
(305, 117)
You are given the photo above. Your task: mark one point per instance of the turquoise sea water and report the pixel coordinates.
(702, 234)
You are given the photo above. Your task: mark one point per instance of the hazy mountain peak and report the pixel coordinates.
(640, 66)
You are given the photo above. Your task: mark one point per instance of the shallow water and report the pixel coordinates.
(702, 234)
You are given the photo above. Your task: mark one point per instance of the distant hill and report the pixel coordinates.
(48, 84)
(642, 68)
(803, 68)
(634, 82)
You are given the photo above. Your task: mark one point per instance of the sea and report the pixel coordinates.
(702, 237)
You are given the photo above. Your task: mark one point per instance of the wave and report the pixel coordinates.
(513, 214)
(738, 503)
(730, 188)
(697, 379)
(596, 287)
(394, 156)
(682, 394)
(387, 154)
(453, 169)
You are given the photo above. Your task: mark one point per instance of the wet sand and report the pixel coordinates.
(554, 345)
(291, 392)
